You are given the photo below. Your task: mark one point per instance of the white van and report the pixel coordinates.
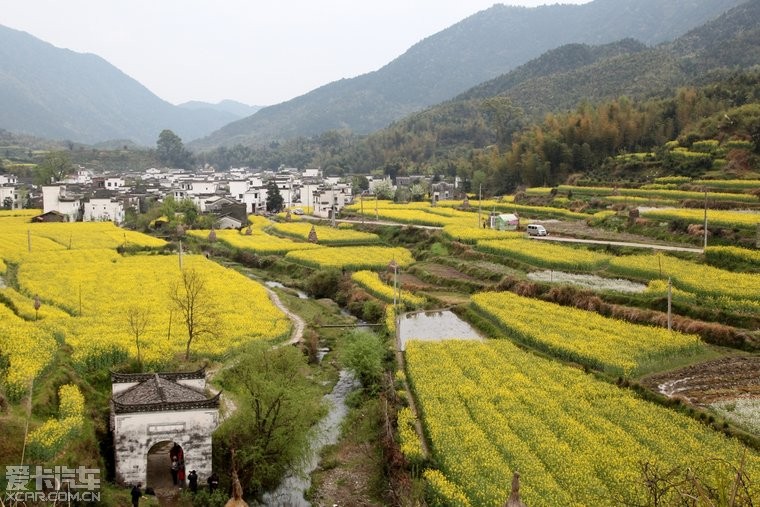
(536, 230)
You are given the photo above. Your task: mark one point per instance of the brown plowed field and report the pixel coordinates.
(702, 384)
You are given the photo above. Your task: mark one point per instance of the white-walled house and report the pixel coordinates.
(103, 209)
(8, 180)
(57, 198)
(113, 183)
(81, 177)
(334, 197)
(12, 193)
(150, 412)
(199, 187)
(250, 192)
(312, 173)
(308, 190)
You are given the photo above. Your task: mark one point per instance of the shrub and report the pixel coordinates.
(364, 355)
(323, 283)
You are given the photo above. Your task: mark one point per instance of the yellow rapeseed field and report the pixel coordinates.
(491, 408)
(325, 235)
(544, 254)
(371, 282)
(99, 287)
(258, 242)
(352, 258)
(586, 337)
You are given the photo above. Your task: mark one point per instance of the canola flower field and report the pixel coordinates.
(545, 254)
(258, 242)
(472, 235)
(98, 287)
(46, 440)
(325, 235)
(352, 258)
(700, 279)
(490, 408)
(374, 285)
(86, 289)
(714, 217)
(719, 255)
(586, 337)
(671, 195)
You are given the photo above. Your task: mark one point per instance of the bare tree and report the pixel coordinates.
(138, 318)
(193, 301)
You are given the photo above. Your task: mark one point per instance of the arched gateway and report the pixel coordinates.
(153, 408)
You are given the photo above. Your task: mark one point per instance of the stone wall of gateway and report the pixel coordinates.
(135, 434)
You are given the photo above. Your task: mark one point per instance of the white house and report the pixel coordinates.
(335, 197)
(10, 194)
(286, 185)
(113, 183)
(8, 179)
(198, 187)
(103, 209)
(81, 177)
(307, 193)
(150, 413)
(57, 198)
(312, 173)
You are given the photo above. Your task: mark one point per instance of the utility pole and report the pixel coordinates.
(180, 255)
(394, 266)
(29, 239)
(705, 246)
(361, 200)
(332, 187)
(670, 301)
(480, 199)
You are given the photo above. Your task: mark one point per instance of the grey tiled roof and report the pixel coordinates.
(158, 390)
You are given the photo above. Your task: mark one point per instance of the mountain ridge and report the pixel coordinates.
(62, 94)
(449, 62)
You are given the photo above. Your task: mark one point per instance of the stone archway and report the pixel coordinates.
(158, 475)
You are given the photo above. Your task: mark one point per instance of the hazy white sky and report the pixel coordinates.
(257, 52)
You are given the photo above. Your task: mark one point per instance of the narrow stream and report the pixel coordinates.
(277, 285)
(291, 491)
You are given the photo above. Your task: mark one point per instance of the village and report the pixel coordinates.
(230, 196)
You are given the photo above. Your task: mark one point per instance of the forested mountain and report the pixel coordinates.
(60, 94)
(474, 50)
(563, 78)
(496, 135)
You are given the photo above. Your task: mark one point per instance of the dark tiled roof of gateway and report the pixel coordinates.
(158, 390)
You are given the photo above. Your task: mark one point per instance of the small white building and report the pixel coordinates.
(57, 198)
(113, 183)
(81, 177)
(8, 180)
(9, 193)
(198, 187)
(312, 173)
(103, 209)
(334, 198)
(150, 412)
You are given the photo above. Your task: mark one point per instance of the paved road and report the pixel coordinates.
(619, 243)
(541, 238)
(372, 222)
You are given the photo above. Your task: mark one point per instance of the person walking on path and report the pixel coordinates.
(136, 494)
